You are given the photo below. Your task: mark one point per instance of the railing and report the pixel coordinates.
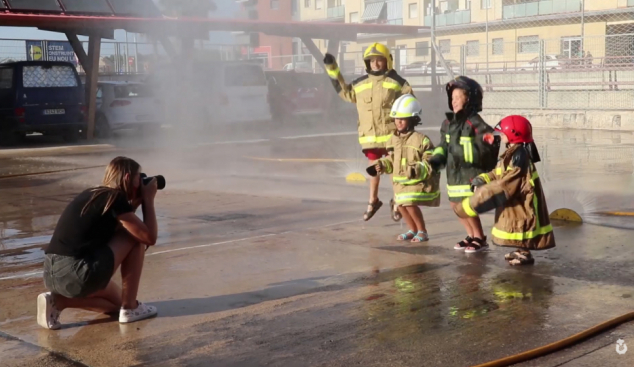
(336, 12)
(395, 21)
(542, 8)
(453, 18)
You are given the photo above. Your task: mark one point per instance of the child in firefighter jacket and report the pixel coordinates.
(515, 191)
(415, 183)
(374, 94)
(463, 152)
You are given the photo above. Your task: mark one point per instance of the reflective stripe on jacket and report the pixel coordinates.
(374, 97)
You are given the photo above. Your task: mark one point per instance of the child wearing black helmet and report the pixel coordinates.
(515, 191)
(464, 153)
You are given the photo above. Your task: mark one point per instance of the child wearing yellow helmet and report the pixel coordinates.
(374, 94)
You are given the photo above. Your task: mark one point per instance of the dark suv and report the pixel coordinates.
(44, 97)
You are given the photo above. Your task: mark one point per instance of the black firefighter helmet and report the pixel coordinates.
(473, 89)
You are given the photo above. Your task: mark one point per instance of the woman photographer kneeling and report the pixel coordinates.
(98, 232)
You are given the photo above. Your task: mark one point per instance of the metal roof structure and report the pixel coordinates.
(99, 18)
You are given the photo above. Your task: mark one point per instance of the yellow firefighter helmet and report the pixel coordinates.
(377, 49)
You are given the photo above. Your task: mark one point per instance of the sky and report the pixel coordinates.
(226, 9)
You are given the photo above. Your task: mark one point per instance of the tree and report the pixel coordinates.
(188, 8)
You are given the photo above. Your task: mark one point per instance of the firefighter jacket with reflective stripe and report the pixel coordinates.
(464, 152)
(514, 189)
(414, 181)
(374, 96)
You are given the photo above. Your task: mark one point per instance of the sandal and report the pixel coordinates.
(477, 245)
(522, 259)
(463, 244)
(372, 209)
(421, 237)
(406, 236)
(396, 215)
(512, 255)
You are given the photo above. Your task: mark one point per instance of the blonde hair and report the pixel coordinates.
(114, 182)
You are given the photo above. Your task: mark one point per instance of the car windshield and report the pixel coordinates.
(42, 76)
(244, 76)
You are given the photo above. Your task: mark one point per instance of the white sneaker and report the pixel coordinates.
(142, 311)
(47, 314)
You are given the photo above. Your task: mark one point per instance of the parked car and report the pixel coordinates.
(44, 97)
(551, 62)
(126, 105)
(424, 67)
(300, 67)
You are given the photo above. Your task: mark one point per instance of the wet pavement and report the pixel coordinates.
(262, 259)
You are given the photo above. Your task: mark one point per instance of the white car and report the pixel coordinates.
(551, 62)
(126, 105)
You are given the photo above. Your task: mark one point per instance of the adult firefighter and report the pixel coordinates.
(464, 152)
(374, 95)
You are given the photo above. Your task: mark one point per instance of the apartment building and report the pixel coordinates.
(492, 33)
(273, 51)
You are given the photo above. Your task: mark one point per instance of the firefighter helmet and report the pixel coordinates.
(377, 49)
(406, 106)
(473, 89)
(517, 129)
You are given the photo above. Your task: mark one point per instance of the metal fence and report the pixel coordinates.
(125, 57)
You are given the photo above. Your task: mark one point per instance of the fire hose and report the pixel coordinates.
(560, 344)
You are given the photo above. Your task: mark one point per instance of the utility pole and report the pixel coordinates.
(488, 4)
(583, 28)
(434, 82)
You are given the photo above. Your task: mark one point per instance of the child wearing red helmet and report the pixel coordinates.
(515, 191)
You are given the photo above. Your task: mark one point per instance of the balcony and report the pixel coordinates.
(336, 12)
(398, 21)
(453, 18)
(542, 8)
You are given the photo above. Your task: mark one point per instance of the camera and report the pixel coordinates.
(160, 180)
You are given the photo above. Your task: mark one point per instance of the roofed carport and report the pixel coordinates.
(99, 20)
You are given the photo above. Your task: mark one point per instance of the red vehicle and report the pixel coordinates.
(298, 94)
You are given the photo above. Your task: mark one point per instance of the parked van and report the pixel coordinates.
(40, 97)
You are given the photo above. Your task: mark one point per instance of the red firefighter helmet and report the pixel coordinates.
(516, 128)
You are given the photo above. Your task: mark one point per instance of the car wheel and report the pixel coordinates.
(102, 127)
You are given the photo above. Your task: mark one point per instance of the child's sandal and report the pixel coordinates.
(373, 208)
(406, 236)
(463, 244)
(421, 237)
(476, 245)
(396, 215)
(522, 259)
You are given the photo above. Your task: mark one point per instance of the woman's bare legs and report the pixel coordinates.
(128, 254)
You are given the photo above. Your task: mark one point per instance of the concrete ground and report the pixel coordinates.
(263, 259)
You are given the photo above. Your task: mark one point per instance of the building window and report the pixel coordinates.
(422, 48)
(528, 44)
(445, 46)
(319, 4)
(275, 4)
(354, 17)
(473, 48)
(413, 11)
(486, 4)
(498, 46)
(306, 3)
(294, 6)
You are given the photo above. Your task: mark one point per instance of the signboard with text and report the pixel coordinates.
(50, 51)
